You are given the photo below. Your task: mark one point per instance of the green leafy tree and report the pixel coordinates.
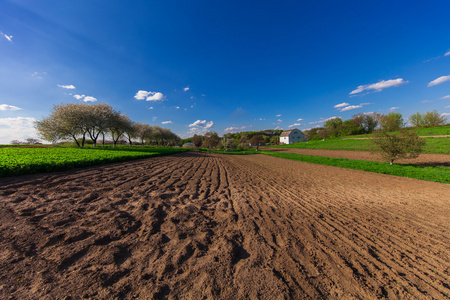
(197, 141)
(334, 127)
(211, 139)
(432, 118)
(257, 140)
(417, 119)
(392, 146)
(392, 121)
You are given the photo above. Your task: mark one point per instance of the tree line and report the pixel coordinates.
(80, 121)
(367, 123)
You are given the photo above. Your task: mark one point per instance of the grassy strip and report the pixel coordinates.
(433, 145)
(22, 161)
(439, 130)
(430, 173)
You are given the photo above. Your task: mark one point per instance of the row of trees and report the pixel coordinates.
(78, 121)
(367, 123)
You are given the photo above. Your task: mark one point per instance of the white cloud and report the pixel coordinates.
(166, 122)
(85, 98)
(394, 108)
(278, 116)
(379, 86)
(186, 89)
(279, 120)
(8, 37)
(448, 106)
(234, 129)
(447, 53)
(341, 105)
(177, 107)
(295, 124)
(203, 95)
(298, 120)
(18, 128)
(202, 124)
(350, 107)
(149, 96)
(261, 119)
(151, 107)
(322, 120)
(445, 114)
(439, 80)
(446, 97)
(9, 107)
(89, 99)
(68, 87)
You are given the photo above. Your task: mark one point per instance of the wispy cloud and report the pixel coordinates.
(350, 107)
(447, 53)
(439, 80)
(446, 97)
(448, 106)
(149, 96)
(379, 86)
(295, 124)
(67, 87)
(394, 108)
(234, 129)
(279, 115)
(166, 122)
(186, 89)
(18, 128)
(9, 107)
(298, 120)
(445, 114)
(343, 104)
(426, 101)
(85, 98)
(8, 37)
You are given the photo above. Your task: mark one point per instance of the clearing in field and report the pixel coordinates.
(196, 226)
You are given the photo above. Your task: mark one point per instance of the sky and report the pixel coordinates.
(225, 66)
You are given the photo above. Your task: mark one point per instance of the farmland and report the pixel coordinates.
(23, 160)
(225, 227)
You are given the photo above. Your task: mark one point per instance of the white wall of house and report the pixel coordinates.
(295, 136)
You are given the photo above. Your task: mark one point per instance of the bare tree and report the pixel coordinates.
(392, 146)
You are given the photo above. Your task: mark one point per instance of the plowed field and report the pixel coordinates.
(199, 226)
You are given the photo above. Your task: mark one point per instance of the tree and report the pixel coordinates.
(32, 141)
(48, 130)
(211, 139)
(334, 127)
(100, 117)
(391, 122)
(392, 146)
(257, 140)
(118, 124)
(432, 118)
(416, 119)
(197, 141)
(370, 122)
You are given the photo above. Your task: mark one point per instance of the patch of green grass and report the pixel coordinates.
(430, 173)
(439, 130)
(21, 161)
(433, 145)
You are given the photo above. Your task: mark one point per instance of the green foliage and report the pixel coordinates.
(437, 174)
(21, 160)
(391, 122)
(392, 146)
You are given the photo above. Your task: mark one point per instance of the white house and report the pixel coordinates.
(292, 136)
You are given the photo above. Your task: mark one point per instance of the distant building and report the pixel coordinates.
(292, 136)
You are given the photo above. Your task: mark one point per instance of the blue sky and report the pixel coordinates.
(225, 66)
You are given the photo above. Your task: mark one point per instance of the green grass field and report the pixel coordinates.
(433, 145)
(430, 173)
(441, 130)
(21, 161)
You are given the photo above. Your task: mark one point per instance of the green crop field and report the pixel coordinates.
(433, 145)
(20, 161)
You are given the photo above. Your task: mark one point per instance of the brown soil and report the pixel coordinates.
(423, 159)
(198, 226)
